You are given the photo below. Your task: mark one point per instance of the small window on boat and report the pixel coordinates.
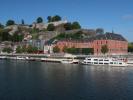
(111, 62)
(88, 62)
(120, 63)
(95, 62)
(115, 63)
(100, 59)
(95, 59)
(88, 59)
(106, 63)
(106, 60)
(100, 63)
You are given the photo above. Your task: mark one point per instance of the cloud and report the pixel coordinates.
(127, 17)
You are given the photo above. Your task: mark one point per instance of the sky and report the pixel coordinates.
(116, 15)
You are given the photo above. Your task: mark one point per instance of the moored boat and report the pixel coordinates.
(107, 61)
(69, 59)
(20, 58)
(130, 62)
(3, 57)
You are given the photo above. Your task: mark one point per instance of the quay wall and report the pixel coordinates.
(62, 55)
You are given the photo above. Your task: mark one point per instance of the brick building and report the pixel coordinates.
(116, 43)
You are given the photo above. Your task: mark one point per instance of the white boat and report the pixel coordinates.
(20, 58)
(3, 57)
(55, 60)
(69, 59)
(130, 62)
(107, 61)
(30, 58)
(12, 58)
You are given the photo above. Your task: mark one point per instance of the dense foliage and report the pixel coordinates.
(7, 50)
(74, 50)
(75, 25)
(70, 26)
(54, 18)
(76, 36)
(6, 36)
(39, 20)
(51, 27)
(10, 22)
(56, 49)
(22, 22)
(67, 26)
(104, 49)
(130, 47)
(24, 49)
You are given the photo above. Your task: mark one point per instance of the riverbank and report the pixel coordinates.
(57, 58)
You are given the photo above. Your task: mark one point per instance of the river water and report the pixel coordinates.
(23, 80)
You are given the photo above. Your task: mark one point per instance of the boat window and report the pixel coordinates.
(88, 62)
(95, 59)
(111, 62)
(88, 59)
(106, 63)
(106, 60)
(115, 63)
(100, 59)
(120, 63)
(95, 62)
(100, 63)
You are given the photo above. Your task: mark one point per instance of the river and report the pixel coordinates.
(23, 80)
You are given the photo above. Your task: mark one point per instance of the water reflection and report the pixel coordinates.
(50, 81)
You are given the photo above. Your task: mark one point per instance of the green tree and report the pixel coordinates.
(6, 36)
(56, 18)
(24, 49)
(22, 22)
(130, 47)
(56, 49)
(39, 20)
(72, 50)
(75, 25)
(104, 49)
(7, 49)
(65, 49)
(67, 26)
(16, 37)
(10, 22)
(77, 35)
(87, 51)
(29, 49)
(35, 49)
(49, 18)
(51, 27)
(61, 36)
(19, 49)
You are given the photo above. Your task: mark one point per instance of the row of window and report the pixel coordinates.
(106, 63)
(102, 42)
(101, 60)
(113, 50)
